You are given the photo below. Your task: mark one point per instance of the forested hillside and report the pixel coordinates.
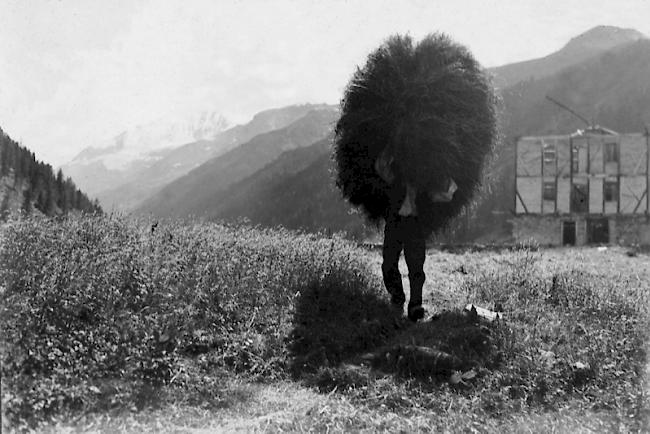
(31, 186)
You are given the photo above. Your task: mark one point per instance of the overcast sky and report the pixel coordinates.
(74, 73)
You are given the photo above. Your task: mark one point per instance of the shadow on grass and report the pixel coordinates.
(337, 318)
(344, 334)
(432, 350)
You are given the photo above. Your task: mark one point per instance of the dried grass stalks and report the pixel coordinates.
(434, 108)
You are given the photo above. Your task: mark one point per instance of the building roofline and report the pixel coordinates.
(595, 130)
(579, 133)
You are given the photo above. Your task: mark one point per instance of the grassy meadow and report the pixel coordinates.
(118, 325)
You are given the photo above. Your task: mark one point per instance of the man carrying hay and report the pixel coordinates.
(403, 231)
(417, 122)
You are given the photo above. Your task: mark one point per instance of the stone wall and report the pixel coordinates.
(547, 230)
(630, 230)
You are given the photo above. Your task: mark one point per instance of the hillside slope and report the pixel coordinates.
(249, 197)
(309, 200)
(295, 191)
(613, 89)
(194, 193)
(589, 44)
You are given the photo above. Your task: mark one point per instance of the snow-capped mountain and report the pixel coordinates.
(182, 160)
(145, 141)
(116, 160)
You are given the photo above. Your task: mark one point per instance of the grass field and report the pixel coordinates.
(254, 330)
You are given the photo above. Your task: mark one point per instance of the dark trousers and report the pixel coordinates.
(404, 233)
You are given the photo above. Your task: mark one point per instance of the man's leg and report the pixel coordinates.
(415, 252)
(390, 267)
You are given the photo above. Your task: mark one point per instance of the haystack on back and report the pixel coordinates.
(431, 107)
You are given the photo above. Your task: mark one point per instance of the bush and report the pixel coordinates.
(99, 309)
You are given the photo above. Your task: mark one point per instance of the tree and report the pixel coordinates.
(41, 201)
(4, 162)
(27, 201)
(7, 158)
(4, 207)
(17, 166)
(25, 164)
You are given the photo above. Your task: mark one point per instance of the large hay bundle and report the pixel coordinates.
(432, 106)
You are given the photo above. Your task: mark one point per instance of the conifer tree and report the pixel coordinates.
(4, 206)
(41, 201)
(27, 201)
(4, 163)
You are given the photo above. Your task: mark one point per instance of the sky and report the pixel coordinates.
(74, 73)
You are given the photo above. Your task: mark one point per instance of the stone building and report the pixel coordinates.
(590, 187)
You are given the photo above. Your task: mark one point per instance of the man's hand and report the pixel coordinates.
(445, 196)
(382, 167)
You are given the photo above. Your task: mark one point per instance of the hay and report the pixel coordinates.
(433, 107)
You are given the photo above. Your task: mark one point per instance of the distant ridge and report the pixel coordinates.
(582, 47)
(120, 159)
(197, 192)
(126, 190)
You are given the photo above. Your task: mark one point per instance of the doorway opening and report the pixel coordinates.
(569, 233)
(597, 231)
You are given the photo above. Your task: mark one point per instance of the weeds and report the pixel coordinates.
(108, 314)
(101, 312)
(573, 336)
(569, 339)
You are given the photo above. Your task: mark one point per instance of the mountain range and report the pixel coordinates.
(283, 175)
(122, 158)
(125, 188)
(197, 193)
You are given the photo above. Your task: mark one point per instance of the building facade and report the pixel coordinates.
(590, 187)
